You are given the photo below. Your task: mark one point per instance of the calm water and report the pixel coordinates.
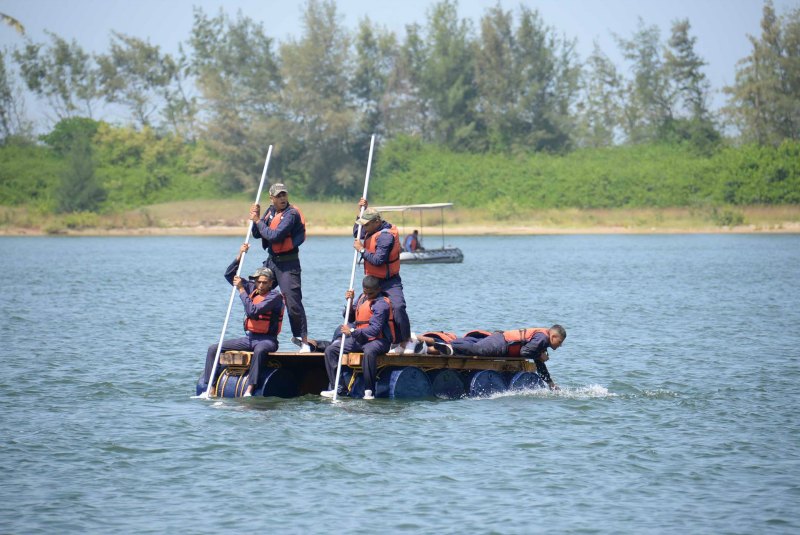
(678, 414)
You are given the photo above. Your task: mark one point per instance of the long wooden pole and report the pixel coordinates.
(353, 271)
(207, 393)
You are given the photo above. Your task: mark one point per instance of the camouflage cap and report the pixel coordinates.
(277, 188)
(262, 272)
(370, 214)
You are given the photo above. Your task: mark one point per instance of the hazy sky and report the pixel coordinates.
(721, 26)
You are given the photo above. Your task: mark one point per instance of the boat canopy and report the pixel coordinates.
(404, 207)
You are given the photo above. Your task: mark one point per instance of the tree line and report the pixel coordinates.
(506, 85)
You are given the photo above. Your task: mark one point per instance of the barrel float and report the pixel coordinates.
(278, 382)
(232, 383)
(356, 390)
(484, 383)
(525, 381)
(405, 382)
(446, 384)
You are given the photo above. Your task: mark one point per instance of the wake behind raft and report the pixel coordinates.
(292, 374)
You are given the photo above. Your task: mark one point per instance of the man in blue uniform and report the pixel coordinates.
(282, 230)
(380, 251)
(367, 330)
(531, 344)
(263, 309)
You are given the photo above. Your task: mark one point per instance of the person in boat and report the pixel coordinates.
(412, 243)
(368, 329)
(263, 309)
(282, 230)
(530, 343)
(381, 253)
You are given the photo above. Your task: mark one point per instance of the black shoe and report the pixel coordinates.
(444, 349)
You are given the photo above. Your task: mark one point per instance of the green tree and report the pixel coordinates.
(14, 23)
(12, 108)
(406, 112)
(448, 77)
(600, 109)
(79, 190)
(136, 74)
(239, 81)
(322, 139)
(649, 100)
(62, 74)
(765, 99)
(376, 55)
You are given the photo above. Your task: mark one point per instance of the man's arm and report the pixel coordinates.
(283, 229)
(535, 347)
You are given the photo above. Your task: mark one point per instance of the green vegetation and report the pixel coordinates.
(496, 115)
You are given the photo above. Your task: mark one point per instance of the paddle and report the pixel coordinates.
(207, 393)
(353, 271)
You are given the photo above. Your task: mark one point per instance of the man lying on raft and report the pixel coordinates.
(530, 343)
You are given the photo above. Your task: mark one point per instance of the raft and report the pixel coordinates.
(292, 374)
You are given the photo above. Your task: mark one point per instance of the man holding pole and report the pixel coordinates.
(263, 308)
(282, 230)
(380, 251)
(368, 329)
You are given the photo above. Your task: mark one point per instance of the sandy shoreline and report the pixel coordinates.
(477, 230)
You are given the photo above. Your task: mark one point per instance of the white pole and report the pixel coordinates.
(353, 271)
(207, 393)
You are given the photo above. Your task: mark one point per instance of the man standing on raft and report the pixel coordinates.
(381, 253)
(282, 230)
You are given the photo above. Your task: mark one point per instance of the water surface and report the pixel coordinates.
(678, 408)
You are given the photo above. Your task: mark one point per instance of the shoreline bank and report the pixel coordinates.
(456, 230)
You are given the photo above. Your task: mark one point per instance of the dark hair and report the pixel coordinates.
(371, 283)
(562, 332)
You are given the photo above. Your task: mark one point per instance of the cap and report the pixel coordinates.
(262, 272)
(277, 188)
(370, 214)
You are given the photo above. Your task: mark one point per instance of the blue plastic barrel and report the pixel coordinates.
(407, 382)
(525, 381)
(230, 385)
(484, 383)
(278, 382)
(446, 384)
(357, 390)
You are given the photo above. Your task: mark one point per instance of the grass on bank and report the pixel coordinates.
(335, 217)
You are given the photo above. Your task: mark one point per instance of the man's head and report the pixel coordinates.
(371, 286)
(263, 278)
(557, 336)
(279, 196)
(370, 219)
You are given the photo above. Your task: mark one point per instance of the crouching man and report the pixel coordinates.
(369, 329)
(263, 316)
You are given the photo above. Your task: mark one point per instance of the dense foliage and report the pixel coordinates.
(490, 111)
(658, 175)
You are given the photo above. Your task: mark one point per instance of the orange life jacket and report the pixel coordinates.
(392, 267)
(519, 337)
(265, 323)
(478, 333)
(364, 314)
(441, 335)
(293, 240)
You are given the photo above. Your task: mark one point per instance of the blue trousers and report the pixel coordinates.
(259, 344)
(393, 287)
(492, 346)
(287, 276)
(369, 362)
